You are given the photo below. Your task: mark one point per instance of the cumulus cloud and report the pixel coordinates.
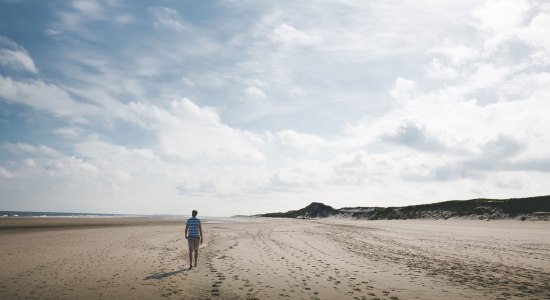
(299, 174)
(414, 136)
(288, 35)
(501, 147)
(254, 93)
(403, 89)
(303, 141)
(69, 166)
(111, 156)
(15, 57)
(436, 69)
(510, 181)
(500, 16)
(501, 154)
(196, 188)
(189, 131)
(477, 127)
(535, 34)
(352, 168)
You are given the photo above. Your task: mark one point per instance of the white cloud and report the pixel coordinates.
(73, 21)
(88, 7)
(70, 166)
(30, 162)
(457, 53)
(169, 18)
(416, 137)
(104, 154)
(5, 173)
(288, 35)
(502, 15)
(28, 149)
(68, 132)
(436, 69)
(254, 94)
(189, 131)
(15, 56)
(352, 168)
(45, 97)
(187, 81)
(303, 141)
(403, 89)
(498, 98)
(119, 174)
(536, 34)
(299, 175)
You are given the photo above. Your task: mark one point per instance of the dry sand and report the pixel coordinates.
(275, 258)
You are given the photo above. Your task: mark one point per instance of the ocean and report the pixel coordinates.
(42, 214)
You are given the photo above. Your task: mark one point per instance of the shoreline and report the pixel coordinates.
(52, 223)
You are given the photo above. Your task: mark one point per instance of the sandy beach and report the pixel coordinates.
(265, 258)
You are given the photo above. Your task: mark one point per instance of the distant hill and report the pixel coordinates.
(314, 210)
(532, 208)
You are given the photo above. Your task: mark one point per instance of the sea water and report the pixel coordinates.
(41, 214)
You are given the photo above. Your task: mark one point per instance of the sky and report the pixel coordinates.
(243, 107)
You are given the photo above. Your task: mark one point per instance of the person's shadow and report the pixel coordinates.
(163, 275)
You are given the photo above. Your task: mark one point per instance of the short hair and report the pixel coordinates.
(194, 213)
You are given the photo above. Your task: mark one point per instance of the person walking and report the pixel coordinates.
(193, 234)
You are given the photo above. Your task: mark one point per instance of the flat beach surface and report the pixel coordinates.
(132, 258)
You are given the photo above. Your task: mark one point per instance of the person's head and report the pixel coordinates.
(194, 213)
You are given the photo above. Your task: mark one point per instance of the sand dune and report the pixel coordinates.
(282, 258)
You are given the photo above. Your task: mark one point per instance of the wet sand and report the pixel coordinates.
(275, 258)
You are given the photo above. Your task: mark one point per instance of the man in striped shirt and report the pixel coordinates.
(193, 234)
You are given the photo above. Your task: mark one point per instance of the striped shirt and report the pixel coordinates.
(193, 224)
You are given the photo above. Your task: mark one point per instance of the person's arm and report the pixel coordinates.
(186, 230)
(200, 229)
